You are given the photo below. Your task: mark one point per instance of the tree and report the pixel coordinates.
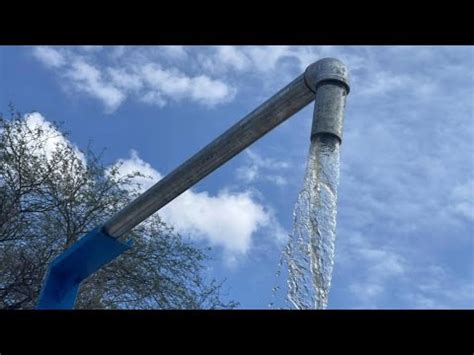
(52, 194)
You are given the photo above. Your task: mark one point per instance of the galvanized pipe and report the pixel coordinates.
(330, 80)
(267, 116)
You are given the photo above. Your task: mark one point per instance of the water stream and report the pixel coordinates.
(309, 254)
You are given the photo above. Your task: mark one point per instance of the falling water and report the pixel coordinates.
(309, 254)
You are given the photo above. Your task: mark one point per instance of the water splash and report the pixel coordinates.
(309, 254)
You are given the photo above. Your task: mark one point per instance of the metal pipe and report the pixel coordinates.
(331, 85)
(267, 116)
(289, 100)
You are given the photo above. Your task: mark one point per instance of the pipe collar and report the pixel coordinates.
(326, 69)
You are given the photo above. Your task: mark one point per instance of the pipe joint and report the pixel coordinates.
(326, 70)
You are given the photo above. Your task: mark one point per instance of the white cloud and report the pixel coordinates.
(248, 173)
(233, 57)
(88, 79)
(125, 80)
(258, 168)
(136, 164)
(262, 59)
(225, 58)
(227, 220)
(205, 75)
(176, 85)
(49, 56)
(156, 75)
(35, 121)
(138, 74)
(266, 58)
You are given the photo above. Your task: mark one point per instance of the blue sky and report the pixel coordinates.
(405, 225)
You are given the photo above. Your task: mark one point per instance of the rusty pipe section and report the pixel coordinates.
(324, 74)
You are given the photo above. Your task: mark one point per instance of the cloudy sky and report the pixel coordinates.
(405, 227)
